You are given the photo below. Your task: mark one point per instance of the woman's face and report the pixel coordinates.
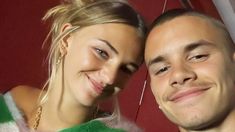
(99, 61)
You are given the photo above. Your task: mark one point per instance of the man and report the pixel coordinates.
(191, 62)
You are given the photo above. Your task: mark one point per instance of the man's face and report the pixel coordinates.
(192, 71)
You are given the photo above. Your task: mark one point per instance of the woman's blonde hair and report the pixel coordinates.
(82, 13)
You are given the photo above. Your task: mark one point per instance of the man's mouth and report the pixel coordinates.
(187, 94)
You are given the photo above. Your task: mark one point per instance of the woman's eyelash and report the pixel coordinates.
(126, 70)
(103, 54)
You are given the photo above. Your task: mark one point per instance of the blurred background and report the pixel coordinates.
(23, 60)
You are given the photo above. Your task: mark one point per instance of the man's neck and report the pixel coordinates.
(227, 125)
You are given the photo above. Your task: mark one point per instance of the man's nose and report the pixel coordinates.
(182, 74)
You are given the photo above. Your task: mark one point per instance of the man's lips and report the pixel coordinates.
(186, 94)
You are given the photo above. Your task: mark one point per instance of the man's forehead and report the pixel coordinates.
(181, 29)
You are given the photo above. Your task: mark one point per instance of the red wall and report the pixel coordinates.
(22, 58)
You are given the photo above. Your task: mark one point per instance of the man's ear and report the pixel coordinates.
(64, 41)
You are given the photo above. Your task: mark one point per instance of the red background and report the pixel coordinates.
(22, 59)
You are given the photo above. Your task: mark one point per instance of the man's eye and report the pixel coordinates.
(199, 58)
(103, 54)
(162, 70)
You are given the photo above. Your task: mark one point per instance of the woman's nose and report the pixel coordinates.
(109, 74)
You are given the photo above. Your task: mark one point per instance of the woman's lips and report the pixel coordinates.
(98, 87)
(187, 94)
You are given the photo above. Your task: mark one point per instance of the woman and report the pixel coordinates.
(96, 45)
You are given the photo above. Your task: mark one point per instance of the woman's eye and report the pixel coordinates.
(127, 70)
(199, 58)
(103, 54)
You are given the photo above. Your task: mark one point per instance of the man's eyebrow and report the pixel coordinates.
(155, 60)
(197, 44)
(189, 47)
(109, 45)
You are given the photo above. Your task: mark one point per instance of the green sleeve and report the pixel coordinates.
(5, 115)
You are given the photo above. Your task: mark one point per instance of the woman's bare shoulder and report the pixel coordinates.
(24, 89)
(25, 97)
(22, 92)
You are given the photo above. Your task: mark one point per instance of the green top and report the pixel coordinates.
(92, 126)
(8, 119)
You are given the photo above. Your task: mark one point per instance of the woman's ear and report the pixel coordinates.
(233, 51)
(64, 41)
(66, 27)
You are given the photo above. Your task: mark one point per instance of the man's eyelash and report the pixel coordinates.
(162, 70)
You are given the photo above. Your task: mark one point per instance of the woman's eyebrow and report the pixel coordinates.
(109, 45)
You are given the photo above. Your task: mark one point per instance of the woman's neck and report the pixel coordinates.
(61, 110)
(60, 116)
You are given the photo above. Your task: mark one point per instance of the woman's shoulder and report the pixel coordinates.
(25, 97)
(25, 93)
(24, 90)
